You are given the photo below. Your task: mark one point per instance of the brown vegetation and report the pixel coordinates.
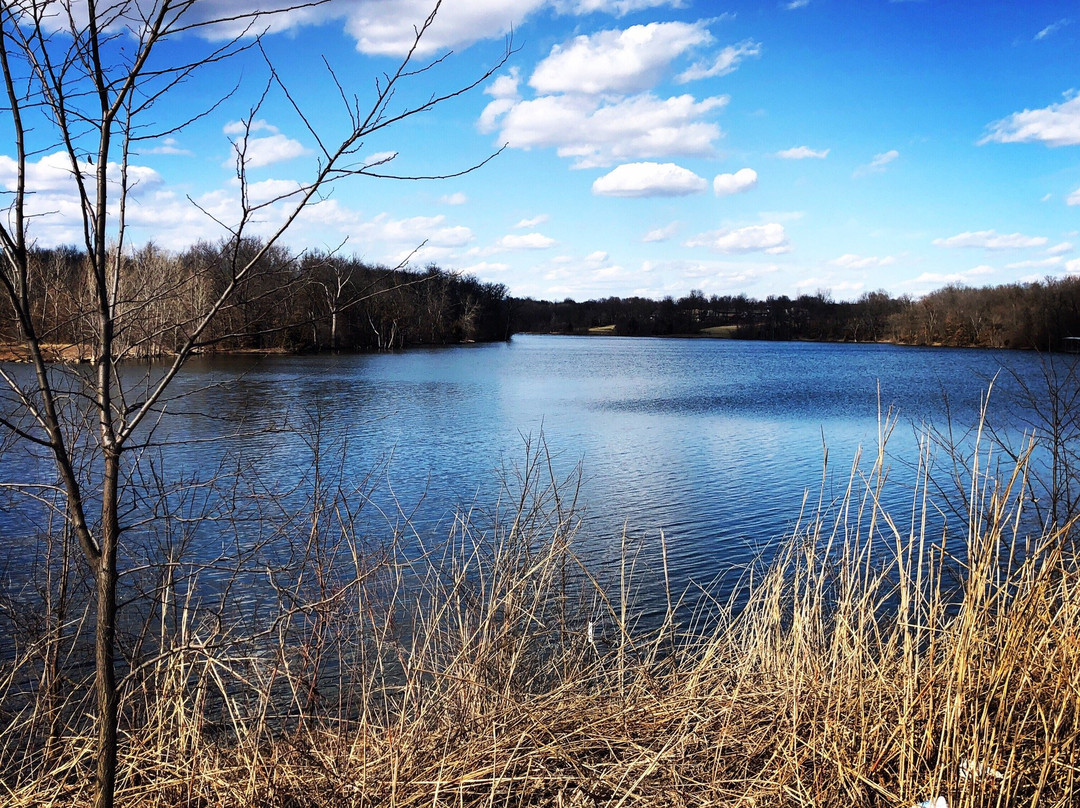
(316, 301)
(873, 661)
(1038, 315)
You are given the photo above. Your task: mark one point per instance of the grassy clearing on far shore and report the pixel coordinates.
(720, 331)
(872, 662)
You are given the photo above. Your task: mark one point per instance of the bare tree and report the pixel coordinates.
(89, 81)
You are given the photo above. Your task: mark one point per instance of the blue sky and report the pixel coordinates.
(656, 146)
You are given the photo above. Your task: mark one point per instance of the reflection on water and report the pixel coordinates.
(713, 442)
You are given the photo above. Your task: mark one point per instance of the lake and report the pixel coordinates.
(713, 442)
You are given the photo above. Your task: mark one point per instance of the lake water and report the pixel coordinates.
(713, 442)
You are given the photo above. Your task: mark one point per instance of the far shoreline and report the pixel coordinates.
(81, 354)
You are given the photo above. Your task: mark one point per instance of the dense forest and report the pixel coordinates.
(308, 302)
(316, 301)
(1038, 315)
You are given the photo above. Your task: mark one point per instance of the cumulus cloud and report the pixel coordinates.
(991, 240)
(619, 8)
(378, 159)
(1060, 249)
(485, 268)
(594, 99)
(622, 62)
(878, 164)
(742, 180)
(727, 61)
(1073, 198)
(712, 277)
(52, 203)
(506, 85)
(1055, 125)
(388, 28)
(598, 133)
(802, 153)
(769, 238)
(937, 278)
(170, 146)
(527, 241)
(853, 261)
(413, 231)
(261, 151)
(661, 233)
(505, 92)
(535, 221)
(1038, 263)
(649, 179)
(265, 151)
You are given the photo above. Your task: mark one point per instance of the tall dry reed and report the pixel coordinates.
(877, 658)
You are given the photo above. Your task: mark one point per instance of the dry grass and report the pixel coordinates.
(876, 660)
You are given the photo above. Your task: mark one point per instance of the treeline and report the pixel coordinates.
(321, 301)
(1037, 315)
(314, 301)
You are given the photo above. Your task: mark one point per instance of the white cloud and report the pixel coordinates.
(170, 146)
(770, 238)
(1055, 125)
(388, 28)
(802, 153)
(852, 261)
(1073, 267)
(712, 277)
(953, 277)
(412, 231)
(991, 240)
(598, 133)
(649, 179)
(377, 159)
(489, 118)
(235, 128)
(1051, 29)
(265, 151)
(622, 62)
(742, 180)
(1060, 249)
(727, 61)
(535, 221)
(1040, 263)
(661, 233)
(1073, 198)
(485, 268)
(794, 4)
(457, 198)
(261, 151)
(265, 191)
(619, 8)
(528, 241)
(54, 212)
(506, 85)
(781, 215)
(877, 165)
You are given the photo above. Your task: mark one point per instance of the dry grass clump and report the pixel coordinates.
(866, 664)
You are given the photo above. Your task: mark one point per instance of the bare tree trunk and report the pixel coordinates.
(91, 86)
(108, 699)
